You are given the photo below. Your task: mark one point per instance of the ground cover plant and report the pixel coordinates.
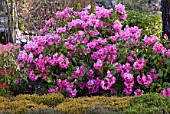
(94, 53)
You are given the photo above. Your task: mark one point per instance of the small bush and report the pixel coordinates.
(3, 99)
(96, 51)
(149, 104)
(19, 106)
(26, 97)
(79, 105)
(154, 99)
(50, 100)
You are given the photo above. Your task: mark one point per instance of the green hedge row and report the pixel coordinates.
(152, 103)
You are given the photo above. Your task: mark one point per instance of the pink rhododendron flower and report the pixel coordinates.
(117, 25)
(43, 30)
(119, 68)
(167, 53)
(72, 93)
(123, 16)
(150, 40)
(159, 48)
(61, 29)
(127, 67)
(114, 38)
(128, 77)
(98, 64)
(112, 90)
(93, 86)
(138, 92)
(145, 80)
(82, 85)
(127, 91)
(50, 22)
(51, 90)
(64, 64)
(90, 73)
(139, 64)
(32, 76)
(130, 58)
(120, 8)
(166, 92)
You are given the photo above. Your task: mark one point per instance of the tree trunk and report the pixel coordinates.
(165, 8)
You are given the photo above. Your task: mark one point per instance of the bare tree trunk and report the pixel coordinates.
(9, 32)
(165, 8)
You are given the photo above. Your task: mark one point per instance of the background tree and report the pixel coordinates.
(165, 8)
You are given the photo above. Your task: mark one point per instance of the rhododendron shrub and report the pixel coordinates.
(8, 64)
(94, 52)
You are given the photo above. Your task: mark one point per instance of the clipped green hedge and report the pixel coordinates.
(51, 99)
(82, 104)
(19, 106)
(149, 23)
(151, 103)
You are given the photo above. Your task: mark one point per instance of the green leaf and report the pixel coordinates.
(160, 72)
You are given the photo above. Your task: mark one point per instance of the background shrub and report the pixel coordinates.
(149, 23)
(30, 12)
